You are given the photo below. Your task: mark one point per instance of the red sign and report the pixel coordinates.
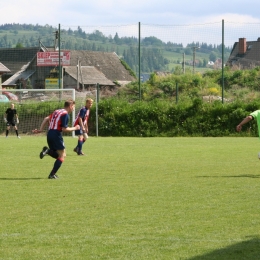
(51, 58)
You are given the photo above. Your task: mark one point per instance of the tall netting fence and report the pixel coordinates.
(185, 47)
(161, 46)
(98, 51)
(165, 48)
(33, 105)
(144, 48)
(244, 38)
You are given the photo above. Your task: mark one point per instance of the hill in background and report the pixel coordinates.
(156, 55)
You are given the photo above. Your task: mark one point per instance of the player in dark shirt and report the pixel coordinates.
(11, 119)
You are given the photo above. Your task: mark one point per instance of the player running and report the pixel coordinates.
(82, 121)
(58, 123)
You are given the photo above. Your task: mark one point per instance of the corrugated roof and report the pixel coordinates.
(90, 75)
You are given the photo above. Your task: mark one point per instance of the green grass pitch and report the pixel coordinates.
(131, 198)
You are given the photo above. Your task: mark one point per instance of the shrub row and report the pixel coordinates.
(164, 118)
(150, 119)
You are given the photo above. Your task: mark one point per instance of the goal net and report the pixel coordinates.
(33, 105)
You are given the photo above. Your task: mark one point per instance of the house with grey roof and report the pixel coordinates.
(86, 69)
(20, 63)
(245, 54)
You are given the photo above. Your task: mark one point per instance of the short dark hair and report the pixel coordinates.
(69, 102)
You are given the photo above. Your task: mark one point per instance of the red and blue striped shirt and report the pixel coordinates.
(59, 119)
(83, 114)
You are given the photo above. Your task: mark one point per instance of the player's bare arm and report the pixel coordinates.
(70, 129)
(244, 121)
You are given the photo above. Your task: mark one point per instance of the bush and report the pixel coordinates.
(164, 118)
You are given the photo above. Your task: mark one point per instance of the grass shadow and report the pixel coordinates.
(249, 249)
(233, 176)
(20, 179)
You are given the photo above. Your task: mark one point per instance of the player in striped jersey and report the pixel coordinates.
(82, 121)
(58, 123)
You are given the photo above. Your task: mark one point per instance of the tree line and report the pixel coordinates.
(153, 50)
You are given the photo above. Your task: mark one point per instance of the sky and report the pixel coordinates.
(116, 13)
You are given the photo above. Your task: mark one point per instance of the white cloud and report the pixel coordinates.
(232, 17)
(104, 12)
(184, 20)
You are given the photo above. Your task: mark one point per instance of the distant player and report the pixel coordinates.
(82, 121)
(10, 118)
(58, 123)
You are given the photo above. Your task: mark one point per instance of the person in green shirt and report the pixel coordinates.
(253, 116)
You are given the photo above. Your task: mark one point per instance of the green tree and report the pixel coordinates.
(117, 39)
(152, 41)
(212, 56)
(188, 51)
(19, 45)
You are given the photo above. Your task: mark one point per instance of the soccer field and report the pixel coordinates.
(131, 198)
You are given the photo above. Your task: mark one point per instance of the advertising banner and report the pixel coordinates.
(52, 83)
(51, 58)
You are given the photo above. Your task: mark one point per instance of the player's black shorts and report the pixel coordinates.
(79, 132)
(10, 123)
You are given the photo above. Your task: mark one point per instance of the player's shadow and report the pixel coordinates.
(249, 249)
(232, 176)
(20, 179)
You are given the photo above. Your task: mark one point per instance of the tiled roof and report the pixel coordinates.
(249, 59)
